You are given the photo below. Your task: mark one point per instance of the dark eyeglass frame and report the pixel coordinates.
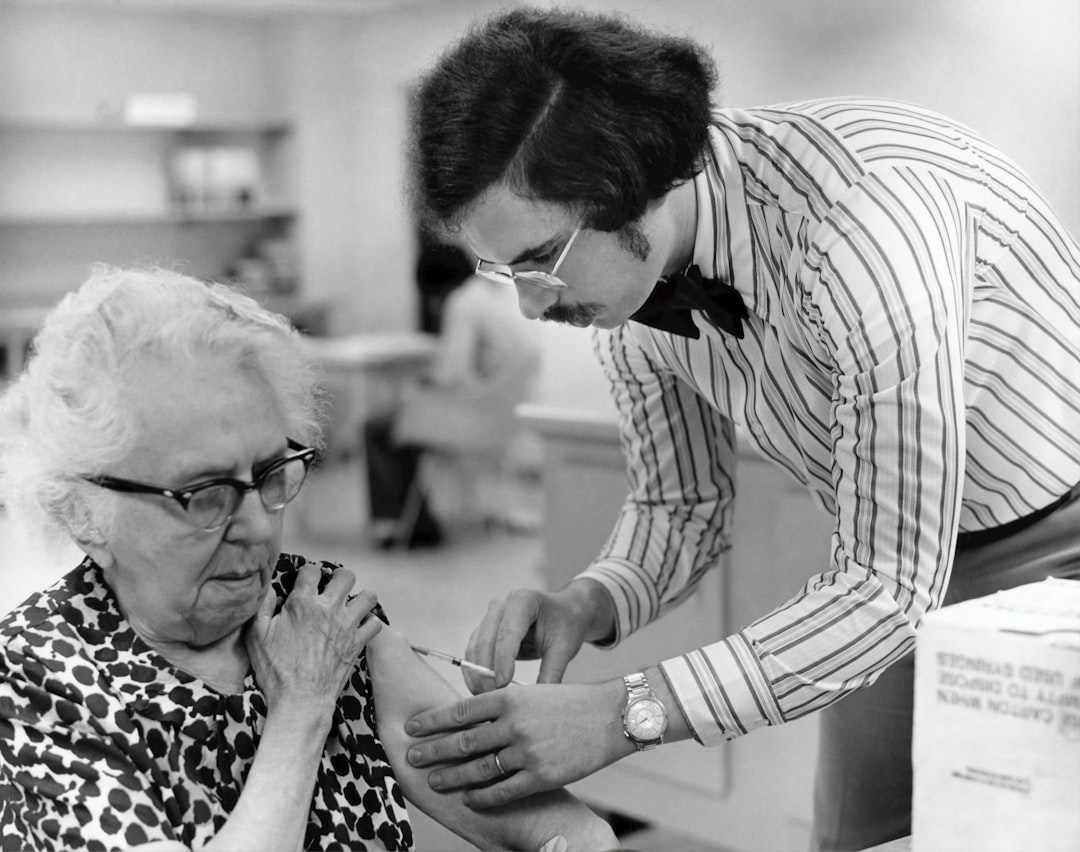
(184, 496)
(503, 274)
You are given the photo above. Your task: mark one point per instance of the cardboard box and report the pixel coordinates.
(997, 723)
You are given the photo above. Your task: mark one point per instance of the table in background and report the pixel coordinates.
(365, 374)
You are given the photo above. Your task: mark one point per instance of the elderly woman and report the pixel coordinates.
(188, 685)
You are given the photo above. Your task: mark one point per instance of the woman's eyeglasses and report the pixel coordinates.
(210, 505)
(503, 274)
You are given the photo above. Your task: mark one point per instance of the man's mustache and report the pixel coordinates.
(576, 315)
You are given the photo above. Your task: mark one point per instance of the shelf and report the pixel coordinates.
(208, 217)
(269, 127)
(80, 191)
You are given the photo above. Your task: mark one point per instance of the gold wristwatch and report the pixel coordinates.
(645, 717)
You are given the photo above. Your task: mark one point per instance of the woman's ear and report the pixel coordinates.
(86, 533)
(96, 550)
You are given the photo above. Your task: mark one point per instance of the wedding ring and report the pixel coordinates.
(498, 764)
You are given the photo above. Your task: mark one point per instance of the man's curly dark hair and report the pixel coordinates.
(586, 110)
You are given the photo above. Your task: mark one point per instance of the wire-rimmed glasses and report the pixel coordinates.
(503, 274)
(210, 505)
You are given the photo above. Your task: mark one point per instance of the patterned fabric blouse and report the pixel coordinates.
(912, 357)
(104, 744)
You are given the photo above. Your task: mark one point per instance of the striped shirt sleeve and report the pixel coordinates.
(887, 300)
(674, 523)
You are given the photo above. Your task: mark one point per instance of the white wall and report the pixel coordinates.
(1010, 69)
(64, 63)
(346, 85)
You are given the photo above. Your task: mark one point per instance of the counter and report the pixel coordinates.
(752, 793)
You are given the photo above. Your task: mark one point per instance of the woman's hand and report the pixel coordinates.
(303, 658)
(304, 655)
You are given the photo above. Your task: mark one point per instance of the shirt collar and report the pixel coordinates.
(707, 200)
(722, 245)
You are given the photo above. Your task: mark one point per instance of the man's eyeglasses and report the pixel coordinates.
(210, 505)
(503, 274)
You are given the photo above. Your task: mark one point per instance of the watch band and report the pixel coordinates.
(637, 687)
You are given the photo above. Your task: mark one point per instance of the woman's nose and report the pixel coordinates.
(252, 521)
(533, 300)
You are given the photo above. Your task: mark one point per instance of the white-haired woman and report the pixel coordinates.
(188, 685)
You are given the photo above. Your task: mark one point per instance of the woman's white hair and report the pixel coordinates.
(64, 418)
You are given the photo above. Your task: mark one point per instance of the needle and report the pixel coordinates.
(457, 661)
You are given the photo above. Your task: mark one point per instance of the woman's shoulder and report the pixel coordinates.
(289, 564)
(58, 649)
(75, 602)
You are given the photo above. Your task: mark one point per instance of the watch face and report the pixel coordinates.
(646, 719)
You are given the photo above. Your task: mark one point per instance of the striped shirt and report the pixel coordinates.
(912, 357)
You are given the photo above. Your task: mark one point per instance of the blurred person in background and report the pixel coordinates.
(878, 297)
(189, 685)
(483, 343)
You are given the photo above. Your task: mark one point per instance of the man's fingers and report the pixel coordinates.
(494, 644)
(477, 683)
(482, 740)
(554, 662)
(517, 786)
(507, 646)
(481, 646)
(484, 770)
(459, 714)
(482, 642)
(520, 613)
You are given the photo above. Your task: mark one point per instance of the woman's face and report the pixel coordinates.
(175, 582)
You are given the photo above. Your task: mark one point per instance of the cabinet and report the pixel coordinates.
(77, 193)
(754, 792)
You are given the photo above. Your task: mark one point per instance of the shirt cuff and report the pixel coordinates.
(632, 593)
(722, 690)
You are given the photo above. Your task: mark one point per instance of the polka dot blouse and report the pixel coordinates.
(104, 744)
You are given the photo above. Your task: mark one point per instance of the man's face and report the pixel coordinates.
(608, 275)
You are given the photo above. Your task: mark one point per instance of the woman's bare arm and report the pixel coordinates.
(404, 684)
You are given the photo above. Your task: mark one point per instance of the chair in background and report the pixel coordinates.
(468, 434)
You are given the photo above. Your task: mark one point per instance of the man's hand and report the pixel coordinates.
(527, 624)
(544, 736)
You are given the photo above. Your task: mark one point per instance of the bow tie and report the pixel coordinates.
(673, 298)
